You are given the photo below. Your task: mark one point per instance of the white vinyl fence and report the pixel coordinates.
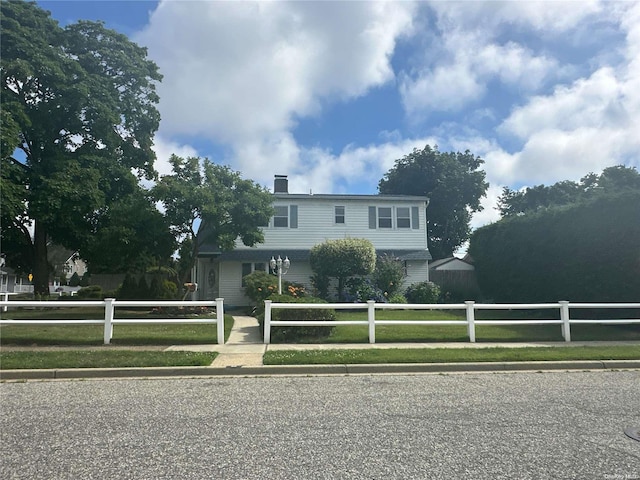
(470, 322)
(110, 304)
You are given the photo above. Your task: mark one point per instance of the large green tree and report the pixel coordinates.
(206, 203)
(454, 184)
(131, 236)
(80, 105)
(541, 197)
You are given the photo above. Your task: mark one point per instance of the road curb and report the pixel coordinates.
(344, 369)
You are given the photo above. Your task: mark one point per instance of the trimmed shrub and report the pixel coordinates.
(398, 298)
(388, 274)
(144, 292)
(92, 292)
(343, 258)
(74, 281)
(584, 252)
(260, 285)
(361, 289)
(423, 292)
(160, 289)
(85, 280)
(293, 334)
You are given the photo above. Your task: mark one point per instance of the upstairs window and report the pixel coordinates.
(403, 217)
(339, 215)
(385, 219)
(286, 216)
(281, 217)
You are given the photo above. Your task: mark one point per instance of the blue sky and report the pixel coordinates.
(331, 93)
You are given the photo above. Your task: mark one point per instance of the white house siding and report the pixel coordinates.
(230, 288)
(315, 223)
(417, 271)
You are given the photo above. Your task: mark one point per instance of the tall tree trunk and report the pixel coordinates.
(40, 261)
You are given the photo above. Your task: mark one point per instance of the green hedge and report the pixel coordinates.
(293, 334)
(586, 252)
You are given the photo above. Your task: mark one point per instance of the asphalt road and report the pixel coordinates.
(455, 426)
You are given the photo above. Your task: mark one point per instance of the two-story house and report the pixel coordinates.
(395, 224)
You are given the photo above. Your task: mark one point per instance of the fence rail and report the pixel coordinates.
(109, 320)
(470, 309)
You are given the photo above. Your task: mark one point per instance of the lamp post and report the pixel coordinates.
(282, 267)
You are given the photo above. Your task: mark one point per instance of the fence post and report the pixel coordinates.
(267, 321)
(108, 319)
(371, 317)
(566, 324)
(220, 320)
(471, 318)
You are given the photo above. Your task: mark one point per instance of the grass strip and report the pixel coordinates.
(79, 335)
(103, 359)
(449, 355)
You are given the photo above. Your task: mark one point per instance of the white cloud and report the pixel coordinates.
(586, 126)
(549, 16)
(465, 62)
(165, 148)
(235, 71)
(355, 168)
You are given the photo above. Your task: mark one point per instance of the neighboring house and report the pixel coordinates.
(395, 224)
(7, 277)
(451, 263)
(456, 276)
(64, 263)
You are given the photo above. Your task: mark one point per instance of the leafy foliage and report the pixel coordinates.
(361, 289)
(454, 184)
(259, 286)
(79, 103)
(218, 199)
(343, 258)
(131, 235)
(423, 292)
(540, 197)
(587, 251)
(291, 334)
(388, 274)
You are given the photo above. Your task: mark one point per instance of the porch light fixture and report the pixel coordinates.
(280, 267)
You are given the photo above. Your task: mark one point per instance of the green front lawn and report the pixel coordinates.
(449, 355)
(102, 359)
(152, 334)
(458, 333)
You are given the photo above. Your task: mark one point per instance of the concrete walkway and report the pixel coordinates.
(245, 347)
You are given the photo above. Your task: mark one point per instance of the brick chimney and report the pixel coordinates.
(281, 184)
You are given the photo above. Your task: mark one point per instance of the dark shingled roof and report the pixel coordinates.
(257, 255)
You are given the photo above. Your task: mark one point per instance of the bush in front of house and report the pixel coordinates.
(295, 334)
(423, 292)
(398, 298)
(92, 292)
(259, 286)
(361, 289)
(388, 274)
